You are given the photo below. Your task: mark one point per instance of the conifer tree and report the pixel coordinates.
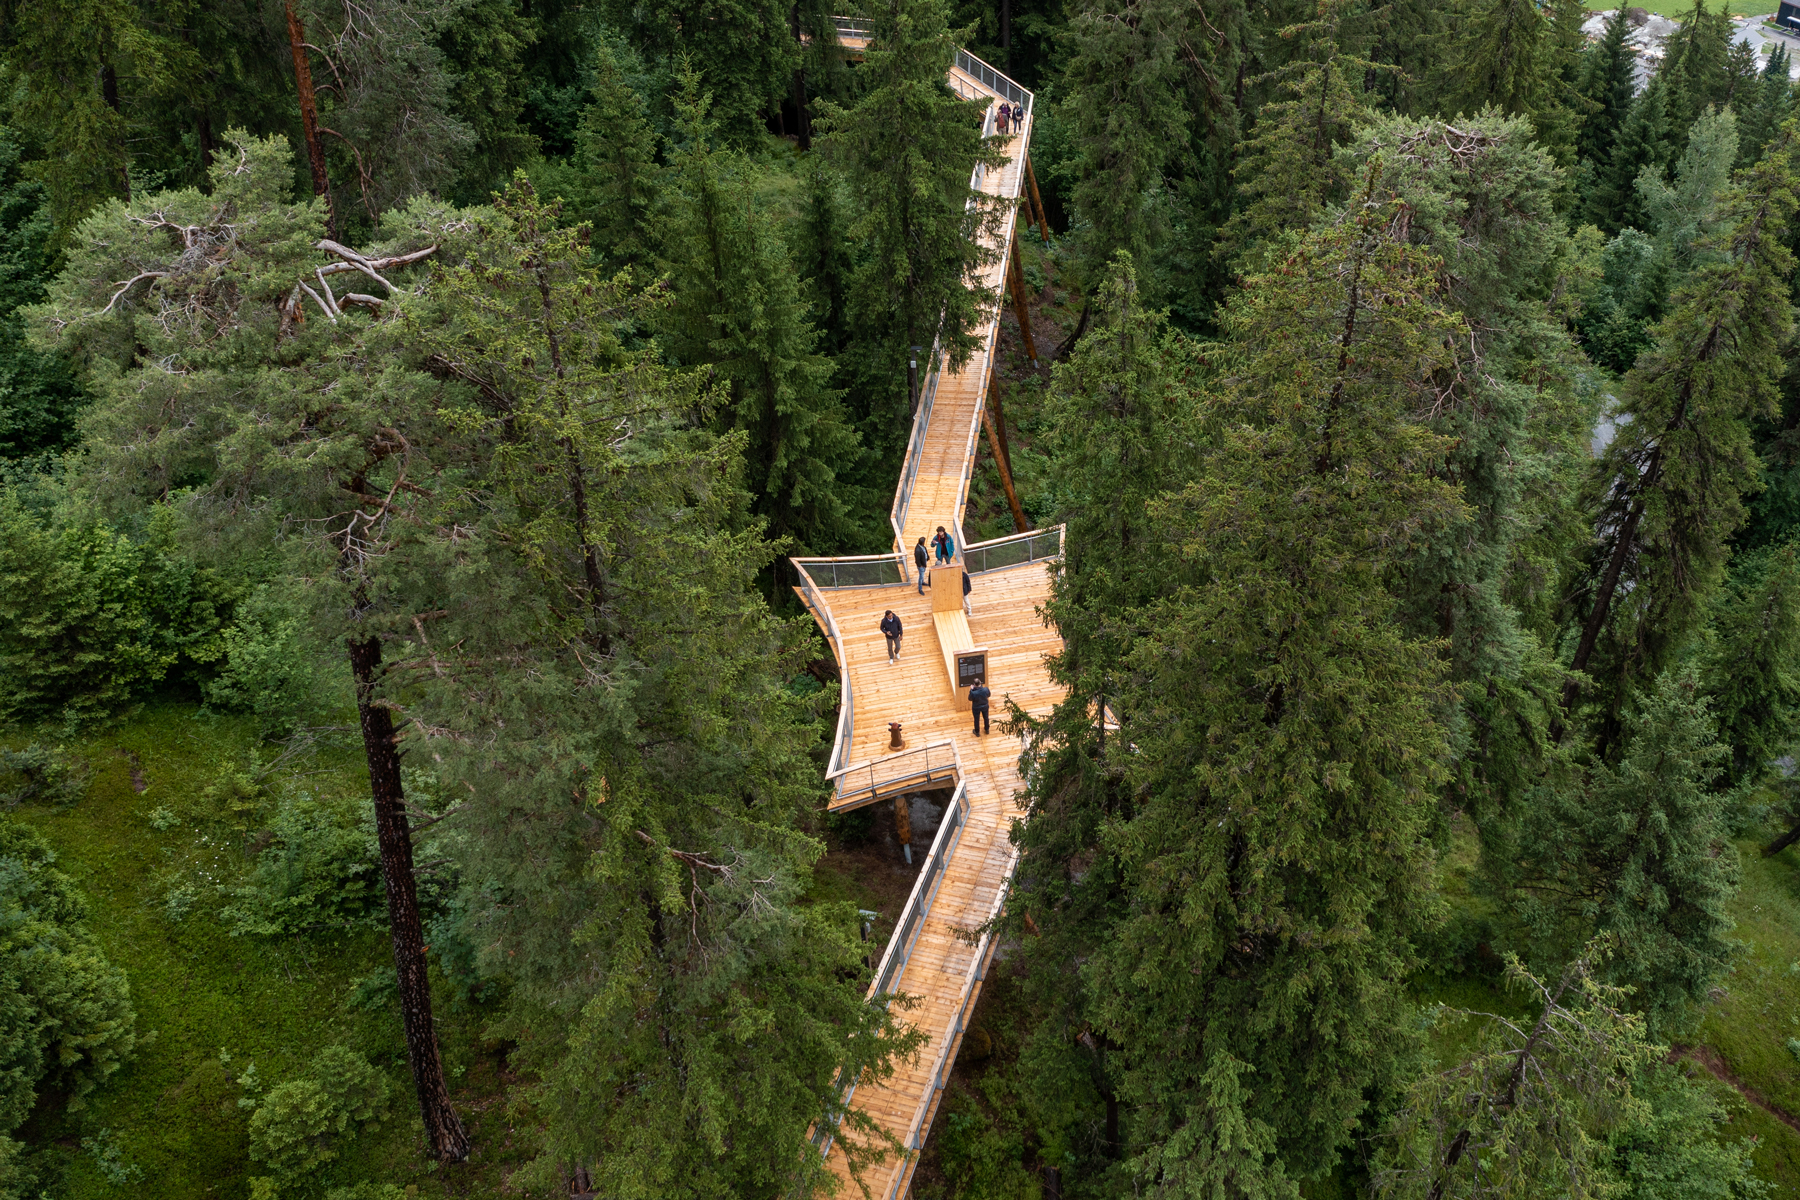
(1642, 852)
(1523, 58)
(1750, 673)
(1287, 170)
(616, 148)
(907, 149)
(639, 774)
(1687, 212)
(1697, 66)
(737, 307)
(1766, 108)
(822, 252)
(1674, 479)
(1125, 89)
(1607, 83)
(1481, 195)
(746, 52)
(1643, 145)
(1119, 413)
(1284, 740)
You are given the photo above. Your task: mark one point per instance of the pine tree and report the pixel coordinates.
(272, 440)
(1481, 195)
(907, 149)
(1283, 740)
(1643, 145)
(640, 775)
(1751, 663)
(1766, 108)
(822, 253)
(1688, 212)
(737, 307)
(1674, 478)
(1697, 66)
(745, 50)
(1522, 59)
(1125, 97)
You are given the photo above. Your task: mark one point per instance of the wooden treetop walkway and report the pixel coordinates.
(936, 954)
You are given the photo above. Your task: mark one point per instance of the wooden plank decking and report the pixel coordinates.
(943, 970)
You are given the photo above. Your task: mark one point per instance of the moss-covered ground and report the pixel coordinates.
(209, 1006)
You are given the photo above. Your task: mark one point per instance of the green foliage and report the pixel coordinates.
(1533, 1103)
(303, 1123)
(617, 192)
(322, 871)
(738, 308)
(907, 148)
(109, 1158)
(45, 775)
(745, 50)
(66, 1019)
(1749, 670)
(1671, 1150)
(1644, 144)
(1689, 212)
(38, 393)
(1641, 851)
(268, 664)
(1279, 731)
(91, 619)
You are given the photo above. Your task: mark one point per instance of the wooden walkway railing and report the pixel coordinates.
(943, 941)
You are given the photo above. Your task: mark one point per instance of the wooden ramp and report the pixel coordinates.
(938, 953)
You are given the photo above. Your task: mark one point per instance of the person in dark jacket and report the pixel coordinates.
(890, 628)
(967, 588)
(942, 546)
(978, 704)
(921, 559)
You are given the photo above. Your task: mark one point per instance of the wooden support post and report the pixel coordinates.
(903, 825)
(996, 431)
(1017, 279)
(1037, 201)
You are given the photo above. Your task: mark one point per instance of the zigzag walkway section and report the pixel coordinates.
(939, 953)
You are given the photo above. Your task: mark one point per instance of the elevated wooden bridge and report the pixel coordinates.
(939, 952)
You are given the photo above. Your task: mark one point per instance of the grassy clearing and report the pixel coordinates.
(209, 1005)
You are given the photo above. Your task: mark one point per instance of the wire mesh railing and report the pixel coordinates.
(912, 917)
(853, 27)
(840, 749)
(991, 79)
(862, 570)
(868, 782)
(915, 452)
(1017, 550)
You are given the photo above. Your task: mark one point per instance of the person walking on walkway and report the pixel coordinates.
(1005, 115)
(978, 705)
(921, 559)
(890, 628)
(943, 546)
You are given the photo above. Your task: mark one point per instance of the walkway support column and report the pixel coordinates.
(1016, 278)
(994, 417)
(1037, 201)
(903, 826)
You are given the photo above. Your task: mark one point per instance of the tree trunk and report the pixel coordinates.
(1037, 201)
(309, 113)
(1783, 842)
(996, 431)
(1609, 583)
(802, 118)
(1018, 294)
(443, 1129)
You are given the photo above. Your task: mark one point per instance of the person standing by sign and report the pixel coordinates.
(942, 546)
(978, 705)
(890, 628)
(920, 559)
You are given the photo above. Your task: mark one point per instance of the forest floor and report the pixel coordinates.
(209, 1005)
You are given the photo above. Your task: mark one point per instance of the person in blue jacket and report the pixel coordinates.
(978, 705)
(943, 546)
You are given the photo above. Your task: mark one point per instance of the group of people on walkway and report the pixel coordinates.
(1006, 116)
(979, 695)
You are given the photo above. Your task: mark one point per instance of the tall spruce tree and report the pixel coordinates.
(1288, 171)
(737, 308)
(1607, 81)
(1696, 65)
(1672, 483)
(1750, 667)
(1524, 58)
(1120, 414)
(1767, 108)
(908, 148)
(1641, 852)
(1481, 195)
(616, 151)
(1643, 145)
(1284, 741)
(1688, 211)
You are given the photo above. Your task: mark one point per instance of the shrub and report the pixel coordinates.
(66, 1020)
(323, 870)
(44, 775)
(91, 620)
(303, 1124)
(269, 666)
